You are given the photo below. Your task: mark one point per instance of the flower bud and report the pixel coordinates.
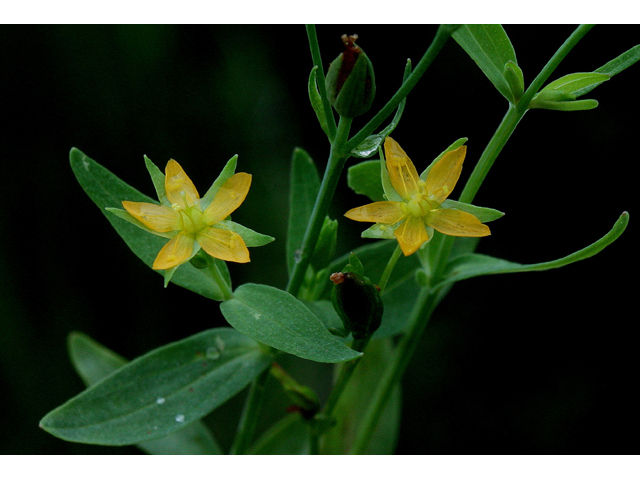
(351, 85)
(356, 300)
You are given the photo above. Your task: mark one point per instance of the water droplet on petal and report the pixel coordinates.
(179, 418)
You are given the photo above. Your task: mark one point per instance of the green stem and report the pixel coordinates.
(399, 361)
(429, 299)
(346, 370)
(389, 268)
(250, 414)
(322, 89)
(337, 159)
(442, 35)
(224, 287)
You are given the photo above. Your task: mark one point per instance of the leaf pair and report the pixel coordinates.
(490, 47)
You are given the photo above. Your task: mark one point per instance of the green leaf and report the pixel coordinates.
(514, 76)
(353, 405)
(574, 82)
(227, 172)
(158, 179)
(490, 47)
(615, 66)
(455, 145)
(278, 319)
(326, 245)
(621, 62)
(93, 362)
(162, 391)
(481, 213)
(304, 187)
(364, 179)
(251, 238)
(475, 264)
(316, 101)
(289, 436)
(561, 94)
(570, 106)
(108, 191)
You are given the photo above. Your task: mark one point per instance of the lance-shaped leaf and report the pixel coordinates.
(93, 362)
(614, 67)
(475, 264)
(561, 94)
(316, 101)
(303, 190)
(107, 191)
(490, 47)
(162, 391)
(278, 319)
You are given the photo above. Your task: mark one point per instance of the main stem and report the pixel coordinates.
(337, 159)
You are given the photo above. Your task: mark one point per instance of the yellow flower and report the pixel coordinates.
(189, 223)
(420, 209)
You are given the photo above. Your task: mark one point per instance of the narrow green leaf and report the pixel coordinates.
(475, 264)
(576, 81)
(108, 191)
(278, 319)
(364, 179)
(455, 145)
(570, 106)
(481, 213)
(162, 391)
(316, 101)
(304, 187)
(325, 246)
(158, 179)
(251, 238)
(227, 172)
(93, 362)
(621, 62)
(353, 405)
(490, 47)
(615, 66)
(514, 76)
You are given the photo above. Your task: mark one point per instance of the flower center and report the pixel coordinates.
(418, 205)
(192, 219)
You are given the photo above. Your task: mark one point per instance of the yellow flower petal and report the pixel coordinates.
(157, 217)
(377, 212)
(223, 244)
(230, 196)
(457, 223)
(179, 188)
(411, 234)
(402, 173)
(444, 175)
(177, 251)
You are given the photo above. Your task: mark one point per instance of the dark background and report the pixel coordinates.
(539, 363)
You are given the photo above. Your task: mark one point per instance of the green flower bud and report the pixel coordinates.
(351, 85)
(356, 300)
